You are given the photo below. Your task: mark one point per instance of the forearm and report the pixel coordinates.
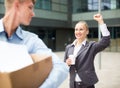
(58, 74)
(98, 17)
(104, 30)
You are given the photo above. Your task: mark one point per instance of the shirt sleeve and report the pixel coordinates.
(58, 74)
(104, 30)
(59, 71)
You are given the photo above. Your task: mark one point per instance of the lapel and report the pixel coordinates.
(81, 55)
(70, 49)
(83, 49)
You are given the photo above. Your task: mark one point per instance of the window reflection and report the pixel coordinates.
(92, 5)
(52, 5)
(43, 4)
(1, 1)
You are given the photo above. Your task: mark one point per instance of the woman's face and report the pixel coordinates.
(81, 31)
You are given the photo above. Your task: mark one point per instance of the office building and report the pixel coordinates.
(54, 21)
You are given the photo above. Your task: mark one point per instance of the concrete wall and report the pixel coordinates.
(111, 17)
(109, 14)
(50, 15)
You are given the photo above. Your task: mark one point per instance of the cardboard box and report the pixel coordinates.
(31, 76)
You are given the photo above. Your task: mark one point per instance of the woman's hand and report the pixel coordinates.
(98, 17)
(68, 61)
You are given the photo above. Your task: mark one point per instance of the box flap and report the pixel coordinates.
(32, 76)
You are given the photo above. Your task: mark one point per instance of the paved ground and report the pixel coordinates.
(109, 74)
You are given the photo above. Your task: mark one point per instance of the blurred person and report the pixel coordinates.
(80, 54)
(20, 12)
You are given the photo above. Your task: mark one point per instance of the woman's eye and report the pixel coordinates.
(76, 29)
(81, 29)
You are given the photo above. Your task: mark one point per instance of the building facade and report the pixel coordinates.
(54, 21)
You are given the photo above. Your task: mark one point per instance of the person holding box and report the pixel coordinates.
(20, 12)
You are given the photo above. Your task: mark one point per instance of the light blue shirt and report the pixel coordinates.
(35, 45)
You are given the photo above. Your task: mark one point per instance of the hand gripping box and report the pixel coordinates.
(31, 76)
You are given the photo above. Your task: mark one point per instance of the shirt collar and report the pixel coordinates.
(18, 31)
(83, 43)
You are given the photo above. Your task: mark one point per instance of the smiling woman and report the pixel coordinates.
(81, 31)
(82, 72)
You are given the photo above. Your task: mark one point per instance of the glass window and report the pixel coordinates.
(92, 5)
(105, 4)
(118, 3)
(1, 1)
(53, 5)
(113, 4)
(43, 4)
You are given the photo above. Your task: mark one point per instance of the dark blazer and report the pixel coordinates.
(84, 64)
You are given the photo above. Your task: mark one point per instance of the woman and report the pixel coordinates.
(80, 55)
